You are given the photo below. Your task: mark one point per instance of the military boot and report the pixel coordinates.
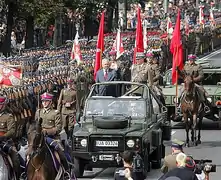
(16, 163)
(204, 101)
(63, 159)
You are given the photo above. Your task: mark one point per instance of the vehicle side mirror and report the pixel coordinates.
(154, 118)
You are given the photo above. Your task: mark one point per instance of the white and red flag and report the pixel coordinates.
(201, 16)
(76, 50)
(118, 45)
(169, 28)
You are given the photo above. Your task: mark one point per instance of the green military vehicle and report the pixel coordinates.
(211, 83)
(118, 122)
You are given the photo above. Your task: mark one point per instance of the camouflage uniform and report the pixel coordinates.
(52, 124)
(8, 131)
(67, 106)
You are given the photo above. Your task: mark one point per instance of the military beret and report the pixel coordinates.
(177, 144)
(140, 55)
(46, 96)
(149, 54)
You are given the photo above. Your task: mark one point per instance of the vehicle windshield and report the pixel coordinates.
(115, 107)
(209, 78)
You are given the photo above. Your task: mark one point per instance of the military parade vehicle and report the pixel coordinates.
(211, 83)
(116, 119)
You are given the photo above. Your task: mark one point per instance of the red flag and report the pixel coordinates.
(176, 49)
(100, 46)
(139, 46)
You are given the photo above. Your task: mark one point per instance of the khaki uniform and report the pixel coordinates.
(196, 71)
(169, 163)
(67, 105)
(141, 74)
(51, 120)
(156, 78)
(8, 129)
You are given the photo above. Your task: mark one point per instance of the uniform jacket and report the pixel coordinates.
(67, 101)
(156, 74)
(195, 70)
(142, 74)
(51, 120)
(169, 163)
(7, 125)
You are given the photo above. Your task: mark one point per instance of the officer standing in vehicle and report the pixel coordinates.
(196, 70)
(170, 160)
(141, 72)
(8, 131)
(67, 105)
(51, 125)
(128, 169)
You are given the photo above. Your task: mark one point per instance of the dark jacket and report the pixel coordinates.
(182, 173)
(120, 175)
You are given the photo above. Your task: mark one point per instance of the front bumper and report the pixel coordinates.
(100, 159)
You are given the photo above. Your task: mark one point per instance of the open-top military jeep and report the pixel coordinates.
(123, 120)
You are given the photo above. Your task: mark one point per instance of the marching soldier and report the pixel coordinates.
(196, 71)
(141, 72)
(8, 131)
(170, 160)
(67, 105)
(51, 125)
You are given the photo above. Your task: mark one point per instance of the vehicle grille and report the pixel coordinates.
(77, 144)
(94, 138)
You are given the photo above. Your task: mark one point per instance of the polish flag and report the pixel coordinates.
(169, 28)
(76, 51)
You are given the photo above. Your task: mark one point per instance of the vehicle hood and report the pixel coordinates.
(212, 90)
(90, 130)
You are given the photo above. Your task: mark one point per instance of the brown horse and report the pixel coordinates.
(40, 165)
(192, 110)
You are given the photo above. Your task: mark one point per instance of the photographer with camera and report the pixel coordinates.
(182, 171)
(170, 160)
(132, 170)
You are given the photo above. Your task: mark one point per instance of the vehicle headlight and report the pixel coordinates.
(209, 99)
(84, 142)
(130, 143)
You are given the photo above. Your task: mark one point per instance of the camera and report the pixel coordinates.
(204, 165)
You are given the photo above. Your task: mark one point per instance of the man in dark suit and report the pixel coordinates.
(104, 75)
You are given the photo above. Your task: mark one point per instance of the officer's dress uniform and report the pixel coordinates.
(170, 160)
(67, 103)
(51, 122)
(8, 131)
(196, 71)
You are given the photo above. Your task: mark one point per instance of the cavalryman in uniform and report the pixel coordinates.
(67, 105)
(196, 71)
(170, 160)
(141, 72)
(8, 131)
(51, 124)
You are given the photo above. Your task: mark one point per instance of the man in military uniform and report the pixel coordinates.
(52, 125)
(8, 131)
(170, 160)
(67, 105)
(196, 71)
(141, 73)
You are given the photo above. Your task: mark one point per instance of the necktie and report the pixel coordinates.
(105, 75)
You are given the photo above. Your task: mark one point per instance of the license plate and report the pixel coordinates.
(106, 157)
(107, 143)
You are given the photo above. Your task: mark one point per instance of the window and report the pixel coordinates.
(156, 107)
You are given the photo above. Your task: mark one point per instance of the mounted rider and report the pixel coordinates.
(52, 126)
(7, 134)
(196, 70)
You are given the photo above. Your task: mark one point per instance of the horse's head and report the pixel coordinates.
(189, 85)
(36, 138)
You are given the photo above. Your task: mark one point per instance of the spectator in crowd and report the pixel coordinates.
(126, 172)
(181, 172)
(170, 160)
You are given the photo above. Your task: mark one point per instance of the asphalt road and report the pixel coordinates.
(209, 149)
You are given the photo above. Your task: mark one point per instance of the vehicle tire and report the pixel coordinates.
(156, 158)
(79, 165)
(163, 151)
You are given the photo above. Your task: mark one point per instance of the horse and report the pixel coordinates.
(192, 110)
(42, 164)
